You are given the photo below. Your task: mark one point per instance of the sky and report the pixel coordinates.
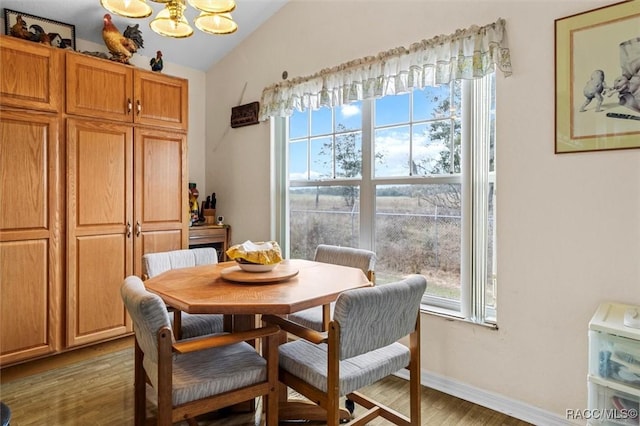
(392, 133)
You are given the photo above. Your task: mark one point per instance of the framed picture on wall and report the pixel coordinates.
(40, 30)
(597, 79)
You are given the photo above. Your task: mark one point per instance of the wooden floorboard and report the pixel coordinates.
(94, 386)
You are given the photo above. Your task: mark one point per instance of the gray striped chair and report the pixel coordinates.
(317, 318)
(360, 348)
(185, 325)
(196, 376)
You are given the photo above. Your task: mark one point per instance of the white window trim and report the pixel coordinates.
(471, 307)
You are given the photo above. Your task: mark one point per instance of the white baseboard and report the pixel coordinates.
(494, 401)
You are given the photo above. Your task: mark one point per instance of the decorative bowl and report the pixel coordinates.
(255, 267)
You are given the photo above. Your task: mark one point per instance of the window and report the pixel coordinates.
(409, 176)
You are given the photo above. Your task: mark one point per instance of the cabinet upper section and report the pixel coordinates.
(39, 77)
(104, 89)
(30, 75)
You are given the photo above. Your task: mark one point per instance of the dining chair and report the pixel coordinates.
(196, 376)
(326, 366)
(186, 325)
(318, 317)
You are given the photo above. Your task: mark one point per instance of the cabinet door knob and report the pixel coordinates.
(138, 228)
(128, 229)
(138, 107)
(129, 106)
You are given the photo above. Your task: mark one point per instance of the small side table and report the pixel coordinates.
(216, 236)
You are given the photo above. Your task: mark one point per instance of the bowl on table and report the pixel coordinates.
(254, 267)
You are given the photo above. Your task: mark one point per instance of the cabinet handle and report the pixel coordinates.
(138, 228)
(128, 229)
(139, 107)
(129, 106)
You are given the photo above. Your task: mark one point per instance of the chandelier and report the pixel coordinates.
(214, 18)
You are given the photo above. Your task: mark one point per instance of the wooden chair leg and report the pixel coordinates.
(177, 324)
(165, 380)
(227, 321)
(333, 376)
(271, 400)
(140, 387)
(414, 371)
(326, 317)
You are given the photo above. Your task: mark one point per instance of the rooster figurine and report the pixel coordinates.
(19, 29)
(156, 63)
(121, 46)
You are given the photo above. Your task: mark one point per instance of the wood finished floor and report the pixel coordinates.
(94, 386)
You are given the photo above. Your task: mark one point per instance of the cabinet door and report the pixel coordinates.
(161, 201)
(30, 75)
(30, 277)
(99, 228)
(99, 88)
(161, 100)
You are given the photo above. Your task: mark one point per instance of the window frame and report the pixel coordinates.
(474, 182)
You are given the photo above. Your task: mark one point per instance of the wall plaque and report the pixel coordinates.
(245, 115)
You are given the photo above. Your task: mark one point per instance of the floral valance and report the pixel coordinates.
(466, 54)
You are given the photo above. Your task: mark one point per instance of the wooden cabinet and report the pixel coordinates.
(30, 235)
(99, 228)
(126, 190)
(88, 185)
(161, 197)
(104, 89)
(30, 75)
(127, 185)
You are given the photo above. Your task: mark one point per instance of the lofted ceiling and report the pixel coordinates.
(200, 51)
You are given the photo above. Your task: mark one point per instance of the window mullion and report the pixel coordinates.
(280, 183)
(466, 250)
(367, 187)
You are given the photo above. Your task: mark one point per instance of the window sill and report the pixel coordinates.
(454, 316)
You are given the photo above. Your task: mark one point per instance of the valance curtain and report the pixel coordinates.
(466, 54)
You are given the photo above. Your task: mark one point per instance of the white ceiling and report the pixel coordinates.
(200, 51)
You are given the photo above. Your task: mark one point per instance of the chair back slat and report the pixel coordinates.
(374, 317)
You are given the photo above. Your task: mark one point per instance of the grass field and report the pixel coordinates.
(410, 236)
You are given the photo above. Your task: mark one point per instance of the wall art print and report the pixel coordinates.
(40, 30)
(597, 80)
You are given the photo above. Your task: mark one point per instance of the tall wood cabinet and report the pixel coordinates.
(101, 176)
(31, 179)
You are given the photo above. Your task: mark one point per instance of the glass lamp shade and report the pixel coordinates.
(214, 6)
(128, 8)
(216, 23)
(168, 23)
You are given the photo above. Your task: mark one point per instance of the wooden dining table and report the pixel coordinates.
(302, 284)
(223, 288)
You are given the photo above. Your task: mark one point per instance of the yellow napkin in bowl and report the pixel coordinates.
(263, 253)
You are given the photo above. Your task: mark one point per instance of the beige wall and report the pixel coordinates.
(568, 225)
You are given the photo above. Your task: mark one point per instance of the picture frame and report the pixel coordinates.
(60, 34)
(597, 79)
(245, 115)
